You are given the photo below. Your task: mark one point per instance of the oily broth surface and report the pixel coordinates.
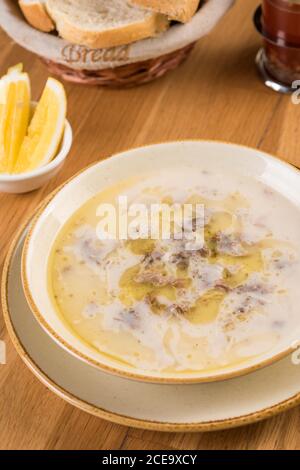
(159, 307)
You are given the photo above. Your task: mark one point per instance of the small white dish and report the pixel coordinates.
(172, 408)
(55, 212)
(26, 182)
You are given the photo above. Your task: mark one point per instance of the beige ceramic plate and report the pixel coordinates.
(54, 213)
(198, 407)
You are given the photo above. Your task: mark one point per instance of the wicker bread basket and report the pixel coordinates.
(123, 66)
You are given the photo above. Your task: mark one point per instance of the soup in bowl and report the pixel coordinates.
(173, 263)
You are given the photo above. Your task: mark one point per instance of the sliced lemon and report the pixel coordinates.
(45, 130)
(18, 68)
(2, 121)
(14, 117)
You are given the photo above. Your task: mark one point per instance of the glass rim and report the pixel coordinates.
(287, 9)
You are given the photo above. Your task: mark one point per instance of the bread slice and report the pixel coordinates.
(180, 10)
(36, 14)
(102, 23)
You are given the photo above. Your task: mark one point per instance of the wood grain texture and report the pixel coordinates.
(215, 95)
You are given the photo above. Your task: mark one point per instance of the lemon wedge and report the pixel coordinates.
(3, 89)
(18, 68)
(2, 121)
(45, 129)
(14, 117)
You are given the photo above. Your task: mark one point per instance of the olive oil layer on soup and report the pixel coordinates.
(158, 306)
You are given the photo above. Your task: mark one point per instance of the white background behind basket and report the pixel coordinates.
(56, 49)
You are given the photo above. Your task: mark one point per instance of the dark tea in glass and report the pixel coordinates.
(281, 21)
(281, 31)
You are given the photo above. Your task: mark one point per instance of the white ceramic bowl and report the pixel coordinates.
(50, 218)
(26, 182)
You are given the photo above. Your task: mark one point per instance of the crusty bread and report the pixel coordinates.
(180, 10)
(36, 14)
(102, 23)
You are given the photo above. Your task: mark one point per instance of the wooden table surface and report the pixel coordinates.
(215, 95)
